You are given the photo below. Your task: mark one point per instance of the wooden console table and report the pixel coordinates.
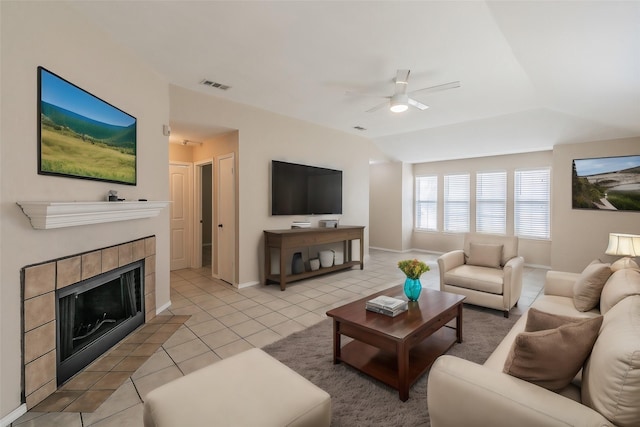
(286, 240)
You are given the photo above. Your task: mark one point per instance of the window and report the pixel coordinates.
(456, 203)
(531, 203)
(427, 202)
(491, 202)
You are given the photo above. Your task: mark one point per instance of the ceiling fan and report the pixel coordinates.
(400, 100)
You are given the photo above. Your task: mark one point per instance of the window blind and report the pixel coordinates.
(532, 203)
(491, 202)
(456, 203)
(427, 202)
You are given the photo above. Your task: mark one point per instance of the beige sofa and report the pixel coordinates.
(488, 271)
(606, 392)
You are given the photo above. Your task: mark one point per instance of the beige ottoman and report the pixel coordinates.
(248, 389)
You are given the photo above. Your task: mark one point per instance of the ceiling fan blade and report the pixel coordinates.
(438, 88)
(377, 107)
(368, 95)
(418, 105)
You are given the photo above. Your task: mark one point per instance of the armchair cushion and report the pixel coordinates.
(551, 358)
(485, 255)
(588, 287)
(479, 278)
(509, 244)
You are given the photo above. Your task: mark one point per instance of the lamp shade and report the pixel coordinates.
(623, 245)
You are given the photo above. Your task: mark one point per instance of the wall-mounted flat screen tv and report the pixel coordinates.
(606, 183)
(305, 190)
(82, 136)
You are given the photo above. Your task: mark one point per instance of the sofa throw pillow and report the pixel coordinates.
(621, 284)
(538, 320)
(551, 358)
(485, 255)
(588, 287)
(623, 263)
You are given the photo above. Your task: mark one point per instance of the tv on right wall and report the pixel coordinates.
(606, 183)
(305, 190)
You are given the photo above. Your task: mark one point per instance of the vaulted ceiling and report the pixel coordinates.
(533, 73)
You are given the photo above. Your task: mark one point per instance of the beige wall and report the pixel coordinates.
(181, 153)
(385, 206)
(391, 206)
(536, 252)
(408, 207)
(262, 137)
(580, 236)
(54, 36)
(217, 146)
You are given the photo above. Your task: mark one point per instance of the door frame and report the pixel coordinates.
(233, 204)
(197, 225)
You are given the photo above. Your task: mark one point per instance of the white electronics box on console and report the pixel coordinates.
(328, 223)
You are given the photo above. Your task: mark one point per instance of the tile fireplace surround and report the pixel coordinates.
(39, 283)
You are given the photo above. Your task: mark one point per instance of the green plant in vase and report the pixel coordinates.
(413, 269)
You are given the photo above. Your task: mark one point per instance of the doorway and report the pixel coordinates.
(205, 192)
(206, 214)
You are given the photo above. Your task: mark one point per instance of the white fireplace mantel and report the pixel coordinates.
(46, 215)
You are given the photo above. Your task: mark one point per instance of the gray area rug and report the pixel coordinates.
(358, 400)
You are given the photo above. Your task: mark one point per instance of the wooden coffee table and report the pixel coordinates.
(397, 350)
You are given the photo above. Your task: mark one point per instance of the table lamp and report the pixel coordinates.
(625, 245)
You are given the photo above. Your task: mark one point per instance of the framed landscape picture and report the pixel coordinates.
(606, 183)
(82, 136)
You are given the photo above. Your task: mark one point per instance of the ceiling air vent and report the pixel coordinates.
(214, 84)
(359, 128)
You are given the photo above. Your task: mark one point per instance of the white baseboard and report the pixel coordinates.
(427, 252)
(543, 267)
(389, 250)
(14, 415)
(248, 284)
(406, 250)
(163, 308)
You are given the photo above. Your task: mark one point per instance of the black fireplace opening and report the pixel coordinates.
(95, 314)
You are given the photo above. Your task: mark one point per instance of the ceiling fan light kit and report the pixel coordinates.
(399, 103)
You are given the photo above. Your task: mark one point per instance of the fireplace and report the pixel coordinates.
(95, 314)
(64, 287)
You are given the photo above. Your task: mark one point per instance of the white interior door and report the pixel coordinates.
(179, 185)
(226, 217)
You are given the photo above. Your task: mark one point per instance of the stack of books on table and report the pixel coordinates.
(387, 305)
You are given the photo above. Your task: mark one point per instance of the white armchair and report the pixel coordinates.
(488, 271)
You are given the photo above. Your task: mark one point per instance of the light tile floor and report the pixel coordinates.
(225, 321)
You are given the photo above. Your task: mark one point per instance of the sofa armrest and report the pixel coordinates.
(463, 393)
(448, 261)
(513, 271)
(560, 283)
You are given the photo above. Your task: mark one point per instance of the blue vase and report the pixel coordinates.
(412, 289)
